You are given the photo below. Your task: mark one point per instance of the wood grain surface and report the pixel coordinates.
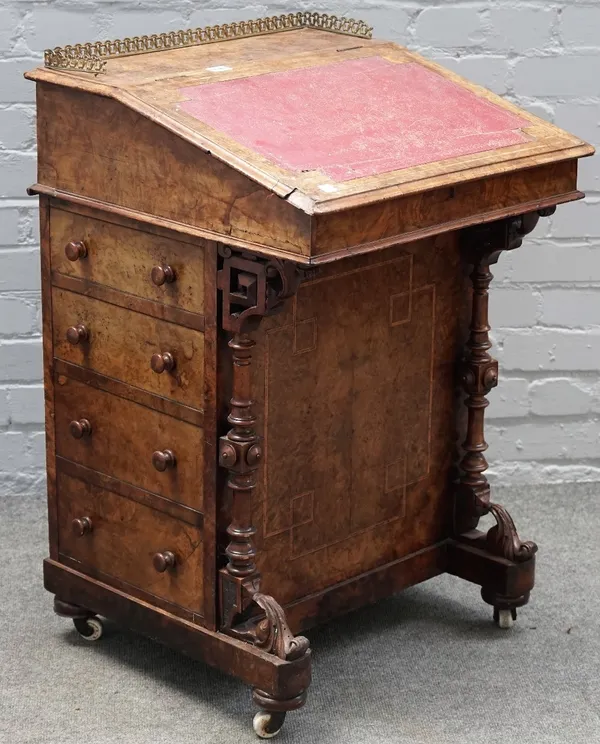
(151, 146)
(48, 355)
(124, 538)
(354, 389)
(346, 416)
(123, 258)
(124, 437)
(122, 343)
(157, 97)
(129, 160)
(250, 664)
(380, 224)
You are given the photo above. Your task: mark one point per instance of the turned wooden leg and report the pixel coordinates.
(89, 627)
(498, 560)
(251, 289)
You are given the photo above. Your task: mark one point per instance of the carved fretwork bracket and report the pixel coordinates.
(488, 241)
(478, 375)
(252, 288)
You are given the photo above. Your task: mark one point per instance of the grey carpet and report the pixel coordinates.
(423, 667)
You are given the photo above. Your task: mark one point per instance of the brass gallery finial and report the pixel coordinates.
(92, 57)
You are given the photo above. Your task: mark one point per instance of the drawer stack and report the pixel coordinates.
(127, 314)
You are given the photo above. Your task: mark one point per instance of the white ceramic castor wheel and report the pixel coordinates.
(267, 725)
(505, 618)
(89, 628)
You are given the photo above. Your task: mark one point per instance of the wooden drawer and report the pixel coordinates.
(121, 343)
(122, 439)
(124, 538)
(123, 258)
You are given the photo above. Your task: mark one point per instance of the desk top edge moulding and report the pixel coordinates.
(266, 252)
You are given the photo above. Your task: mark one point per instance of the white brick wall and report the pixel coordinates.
(544, 420)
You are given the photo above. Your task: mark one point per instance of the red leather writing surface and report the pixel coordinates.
(354, 118)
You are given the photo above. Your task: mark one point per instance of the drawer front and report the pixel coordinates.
(120, 343)
(128, 260)
(123, 540)
(129, 441)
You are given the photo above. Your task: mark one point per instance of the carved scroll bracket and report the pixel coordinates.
(251, 288)
(272, 633)
(503, 539)
(478, 375)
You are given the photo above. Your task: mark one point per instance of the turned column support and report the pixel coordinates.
(252, 288)
(483, 245)
(479, 374)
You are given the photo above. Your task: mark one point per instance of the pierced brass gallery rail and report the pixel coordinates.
(92, 57)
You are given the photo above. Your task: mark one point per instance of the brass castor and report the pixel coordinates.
(89, 628)
(267, 724)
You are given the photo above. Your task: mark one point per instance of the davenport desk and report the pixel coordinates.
(266, 255)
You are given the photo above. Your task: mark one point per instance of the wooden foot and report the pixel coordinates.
(499, 561)
(503, 539)
(273, 635)
(502, 565)
(66, 609)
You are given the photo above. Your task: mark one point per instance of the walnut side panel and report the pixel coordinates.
(48, 374)
(98, 148)
(354, 384)
(210, 487)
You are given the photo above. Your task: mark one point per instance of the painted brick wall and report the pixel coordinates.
(543, 54)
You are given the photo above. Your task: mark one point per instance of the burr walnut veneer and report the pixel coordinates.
(265, 285)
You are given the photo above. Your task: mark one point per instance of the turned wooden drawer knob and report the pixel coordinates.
(163, 460)
(77, 334)
(162, 274)
(80, 429)
(82, 526)
(163, 561)
(75, 250)
(162, 362)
